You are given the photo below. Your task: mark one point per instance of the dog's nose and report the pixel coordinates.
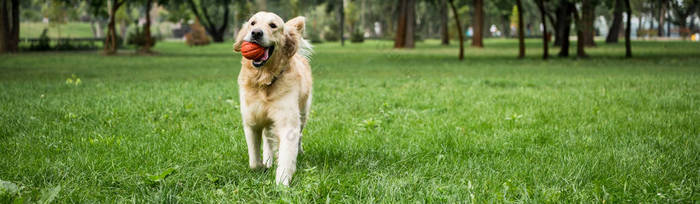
(257, 34)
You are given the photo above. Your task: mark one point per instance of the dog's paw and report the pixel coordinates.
(268, 161)
(256, 166)
(284, 176)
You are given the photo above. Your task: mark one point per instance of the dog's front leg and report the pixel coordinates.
(269, 142)
(252, 137)
(288, 150)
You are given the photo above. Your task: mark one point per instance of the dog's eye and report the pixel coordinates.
(272, 25)
(252, 23)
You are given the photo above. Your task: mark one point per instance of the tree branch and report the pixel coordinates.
(226, 13)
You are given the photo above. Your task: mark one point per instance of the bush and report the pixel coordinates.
(330, 35)
(138, 38)
(68, 44)
(330, 32)
(197, 36)
(44, 42)
(315, 36)
(120, 41)
(357, 36)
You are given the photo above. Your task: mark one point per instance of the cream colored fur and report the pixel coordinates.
(275, 98)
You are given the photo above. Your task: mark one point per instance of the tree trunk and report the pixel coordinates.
(521, 32)
(9, 26)
(588, 18)
(342, 22)
(406, 24)
(668, 25)
(217, 37)
(459, 30)
(217, 34)
(147, 29)
(478, 24)
(400, 38)
(444, 23)
(410, 23)
(110, 46)
(505, 21)
(580, 38)
(545, 43)
(100, 28)
(639, 26)
(564, 26)
(4, 27)
(123, 27)
(614, 32)
(628, 35)
(662, 16)
(221, 32)
(554, 23)
(93, 28)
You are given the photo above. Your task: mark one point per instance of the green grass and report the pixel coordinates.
(68, 30)
(386, 126)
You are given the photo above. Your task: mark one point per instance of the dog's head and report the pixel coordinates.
(279, 39)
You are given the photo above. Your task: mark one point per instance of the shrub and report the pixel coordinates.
(197, 36)
(315, 36)
(357, 36)
(330, 33)
(44, 42)
(138, 38)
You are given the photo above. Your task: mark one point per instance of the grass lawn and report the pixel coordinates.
(386, 126)
(68, 30)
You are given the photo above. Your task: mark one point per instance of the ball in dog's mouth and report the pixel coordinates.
(268, 52)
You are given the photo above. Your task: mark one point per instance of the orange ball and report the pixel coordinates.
(252, 51)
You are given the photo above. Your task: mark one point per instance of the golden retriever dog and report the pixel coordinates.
(275, 92)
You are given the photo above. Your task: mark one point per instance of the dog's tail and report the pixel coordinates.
(305, 49)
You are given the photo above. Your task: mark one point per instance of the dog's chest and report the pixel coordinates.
(255, 107)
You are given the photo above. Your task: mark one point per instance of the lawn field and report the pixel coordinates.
(386, 126)
(68, 30)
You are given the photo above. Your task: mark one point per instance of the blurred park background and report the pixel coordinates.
(36, 25)
(136, 101)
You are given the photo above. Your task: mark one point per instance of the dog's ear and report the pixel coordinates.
(291, 43)
(294, 31)
(239, 37)
(297, 24)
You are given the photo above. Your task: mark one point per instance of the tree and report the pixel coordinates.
(200, 10)
(341, 10)
(110, 46)
(147, 28)
(56, 12)
(663, 5)
(521, 32)
(502, 9)
(563, 26)
(628, 31)
(98, 13)
(681, 11)
(405, 24)
(545, 43)
(9, 25)
(459, 30)
(614, 32)
(444, 30)
(478, 27)
(588, 19)
(580, 39)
